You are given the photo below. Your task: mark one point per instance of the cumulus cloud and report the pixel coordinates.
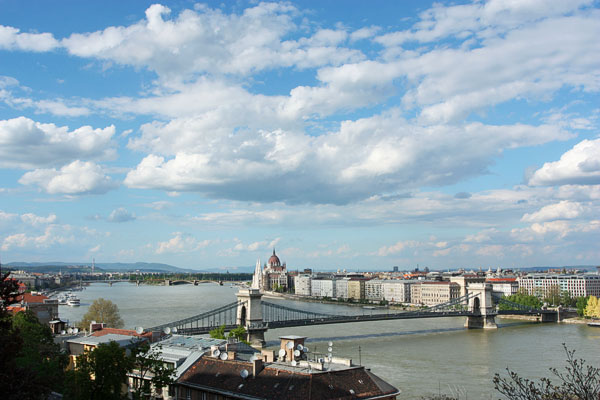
(76, 178)
(578, 166)
(562, 210)
(52, 235)
(376, 155)
(121, 215)
(13, 39)
(25, 143)
(505, 51)
(181, 243)
(36, 220)
(210, 41)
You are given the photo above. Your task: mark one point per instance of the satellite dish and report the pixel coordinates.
(167, 330)
(296, 353)
(305, 349)
(244, 373)
(289, 345)
(62, 332)
(224, 356)
(300, 347)
(281, 353)
(330, 344)
(70, 330)
(139, 330)
(294, 363)
(216, 353)
(174, 330)
(75, 330)
(330, 349)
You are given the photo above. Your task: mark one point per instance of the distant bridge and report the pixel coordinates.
(479, 308)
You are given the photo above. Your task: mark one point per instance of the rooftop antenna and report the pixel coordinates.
(359, 356)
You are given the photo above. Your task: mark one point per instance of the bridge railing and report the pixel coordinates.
(220, 314)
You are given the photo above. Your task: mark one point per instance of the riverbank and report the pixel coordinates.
(295, 297)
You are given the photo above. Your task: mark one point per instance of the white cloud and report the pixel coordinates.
(12, 39)
(53, 234)
(181, 243)
(36, 220)
(562, 210)
(121, 215)
(25, 143)
(580, 165)
(504, 51)
(77, 178)
(210, 41)
(371, 156)
(396, 248)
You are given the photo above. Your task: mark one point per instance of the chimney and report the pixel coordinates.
(257, 366)
(268, 355)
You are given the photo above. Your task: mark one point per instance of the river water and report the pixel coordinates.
(420, 357)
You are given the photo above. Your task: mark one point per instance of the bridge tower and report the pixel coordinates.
(249, 315)
(482, 307)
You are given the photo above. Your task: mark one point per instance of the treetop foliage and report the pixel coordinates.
(102, 310)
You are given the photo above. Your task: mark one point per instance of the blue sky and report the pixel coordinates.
(362, 136)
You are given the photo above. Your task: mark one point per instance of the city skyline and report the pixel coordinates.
(203, 135)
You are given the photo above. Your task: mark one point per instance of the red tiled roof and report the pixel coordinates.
(501, 279)
(275, 383)
(15, 309)
(30, 298)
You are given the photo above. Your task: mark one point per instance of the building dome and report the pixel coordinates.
(274, 261)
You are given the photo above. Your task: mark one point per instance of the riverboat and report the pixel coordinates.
(73, 302)
(595, 324)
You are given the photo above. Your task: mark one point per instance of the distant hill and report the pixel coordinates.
(108, 267)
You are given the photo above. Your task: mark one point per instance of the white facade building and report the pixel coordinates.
(374, 289)
(341, 288)
(302, 284)
(581, 285)
(323, 288)
(396, 291)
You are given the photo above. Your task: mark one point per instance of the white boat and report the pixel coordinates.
(73, 301)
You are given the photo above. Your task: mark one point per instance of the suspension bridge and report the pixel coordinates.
(479, 307)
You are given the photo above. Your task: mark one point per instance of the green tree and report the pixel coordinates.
(100, 374)
(39, 353)
(239, 333)
(581, 305)
(552, 296)
(149, 369)
(524, 299)
(16, 381)
(578, 382)
(566, 299)
(218, 333)
(102, 310)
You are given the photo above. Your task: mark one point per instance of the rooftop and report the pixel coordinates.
(122, 340)
(280, 382)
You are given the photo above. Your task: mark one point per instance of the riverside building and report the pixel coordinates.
(578, 285)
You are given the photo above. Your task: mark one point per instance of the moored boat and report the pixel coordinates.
(73, 301)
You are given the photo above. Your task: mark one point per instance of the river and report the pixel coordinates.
(420, 357)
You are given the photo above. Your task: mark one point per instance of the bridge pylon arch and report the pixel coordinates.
(250, 316)
(482, 307)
